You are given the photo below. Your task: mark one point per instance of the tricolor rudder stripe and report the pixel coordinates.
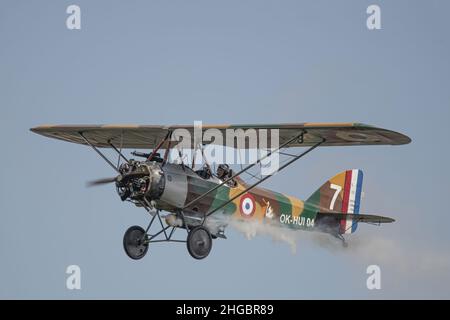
(351, 198)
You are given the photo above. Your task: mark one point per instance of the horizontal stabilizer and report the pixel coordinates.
(367, 218)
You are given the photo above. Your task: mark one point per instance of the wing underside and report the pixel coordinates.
(149, 136)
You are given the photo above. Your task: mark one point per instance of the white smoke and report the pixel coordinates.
(406, 258)
(253, 228)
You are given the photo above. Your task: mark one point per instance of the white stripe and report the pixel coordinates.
(351, 199)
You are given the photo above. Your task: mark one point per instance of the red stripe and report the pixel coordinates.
(344, 208)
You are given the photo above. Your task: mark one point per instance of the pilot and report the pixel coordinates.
(205, 172)
(222, 171)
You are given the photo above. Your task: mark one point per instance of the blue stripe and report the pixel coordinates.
(357, 197)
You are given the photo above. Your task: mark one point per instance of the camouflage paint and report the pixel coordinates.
(274, 207)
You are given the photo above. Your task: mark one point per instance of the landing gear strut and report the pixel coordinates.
(136, 239)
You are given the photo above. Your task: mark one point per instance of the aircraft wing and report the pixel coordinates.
(148, 136)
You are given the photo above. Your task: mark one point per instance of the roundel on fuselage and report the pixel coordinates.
(247, 205)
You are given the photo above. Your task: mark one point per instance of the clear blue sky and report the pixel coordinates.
(169, 62)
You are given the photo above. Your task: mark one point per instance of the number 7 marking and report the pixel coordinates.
(337, 189)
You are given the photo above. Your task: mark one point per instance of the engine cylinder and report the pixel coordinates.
(141, 180)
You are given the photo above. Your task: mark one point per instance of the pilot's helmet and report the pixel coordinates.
(222, 170)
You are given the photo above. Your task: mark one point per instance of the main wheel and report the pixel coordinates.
(199, 242)
(133, 242)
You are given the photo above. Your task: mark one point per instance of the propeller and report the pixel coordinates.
(123, 179)
(99, 182)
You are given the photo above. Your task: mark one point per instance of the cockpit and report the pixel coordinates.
(223, 172)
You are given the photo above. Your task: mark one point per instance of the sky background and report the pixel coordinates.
(173, 62)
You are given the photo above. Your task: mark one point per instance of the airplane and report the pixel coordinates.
(178, 197)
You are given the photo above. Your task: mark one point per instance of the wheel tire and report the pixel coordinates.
(132, 243)
(199, 242)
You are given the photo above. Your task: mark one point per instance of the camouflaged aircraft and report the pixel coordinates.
(178, 197)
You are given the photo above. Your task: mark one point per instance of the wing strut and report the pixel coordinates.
(118, 151)
(166, 153)
(265, 178)
(99, 152)
(168, 135)
(297, 137)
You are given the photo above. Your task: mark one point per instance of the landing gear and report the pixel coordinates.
(135, 242)
(199, 242)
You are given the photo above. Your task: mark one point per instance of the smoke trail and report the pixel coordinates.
(406, 258)
(251, 229)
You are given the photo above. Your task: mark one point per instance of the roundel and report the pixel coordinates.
(357, 137)
(247, 205)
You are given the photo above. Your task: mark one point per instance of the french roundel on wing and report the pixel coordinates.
(247, 205)
(357, 136)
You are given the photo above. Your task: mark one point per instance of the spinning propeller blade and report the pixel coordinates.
(122, 179)
(100, 181)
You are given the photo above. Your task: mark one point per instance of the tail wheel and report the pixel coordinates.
(134, 242)
(199, 242)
